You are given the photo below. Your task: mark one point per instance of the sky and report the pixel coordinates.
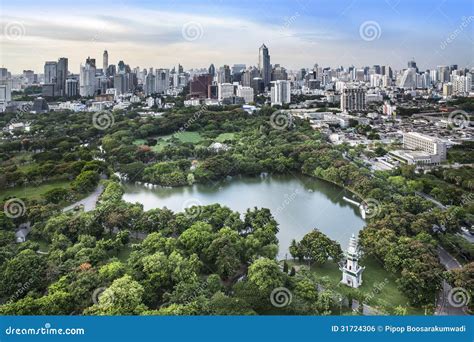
(298, 33)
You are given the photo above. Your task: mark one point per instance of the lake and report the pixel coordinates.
(298, 203)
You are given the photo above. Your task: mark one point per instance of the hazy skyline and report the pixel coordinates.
(298, 33)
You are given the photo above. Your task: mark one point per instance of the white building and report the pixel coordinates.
(247, 93)
(351, 270)
(87, 80)
(225, 90)
(435, 147)
(280, 92)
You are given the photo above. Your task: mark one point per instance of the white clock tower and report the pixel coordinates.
(351, 271)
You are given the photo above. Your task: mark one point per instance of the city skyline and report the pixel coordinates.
(196, 36)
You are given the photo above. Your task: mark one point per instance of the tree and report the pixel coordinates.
(123, 297)
(27, 271)
(265, 274)
(317, 247)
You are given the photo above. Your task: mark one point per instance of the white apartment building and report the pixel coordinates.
(247, 93)
(225, 90)
(280, 92)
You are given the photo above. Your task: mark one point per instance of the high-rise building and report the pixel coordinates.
(352, 99)
(87, 82)
(443, 73)
(61, 76)
(212, 70)
(225, 90)
(223, 75)
(50, 69)
(119, 84)
(264, 65)
(150, 84)
(162, 80)
(280, 92)
(279, 73)
(199, 85)
(105, 62)
(246, 93)
(408, 79)
(72, 88)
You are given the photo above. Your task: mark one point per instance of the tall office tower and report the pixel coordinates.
(119, 84)
(443, 73)
(249, 75)
(3, 74)
(264, 65)
(29, 76)
(180, 69)
(87, 81)
(121, 67)
(408, 79)
(72, 89)
(111, 70)
(5, 95)
(279, 73)
(162, 80)
(412, 64)
(281, 92)
(105, 62)
(434, 76)
(199, 85)
(50, 69)
(212, 70)
(61, 76)
(352, 99)
(150, 84)
(223, 75)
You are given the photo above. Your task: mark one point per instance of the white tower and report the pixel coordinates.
(351, 271)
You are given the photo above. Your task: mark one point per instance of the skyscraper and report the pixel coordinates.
(87, 78)
(264, 65)
(61, 75)
(281, 92)
(50, 69)
(105, 62)
(352, 99)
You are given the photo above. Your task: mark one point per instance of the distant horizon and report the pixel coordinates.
(298, 34)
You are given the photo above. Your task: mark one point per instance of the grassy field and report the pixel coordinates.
(32, 191)
(165, 140)
(225, 136)
(379, 286)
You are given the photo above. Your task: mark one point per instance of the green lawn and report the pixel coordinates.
(33, 191)
(164, 140)
(379, 286)
(225, 136)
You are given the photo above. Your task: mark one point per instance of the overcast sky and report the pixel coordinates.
(298, 33)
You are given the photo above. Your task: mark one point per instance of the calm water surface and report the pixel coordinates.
(299, 204)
